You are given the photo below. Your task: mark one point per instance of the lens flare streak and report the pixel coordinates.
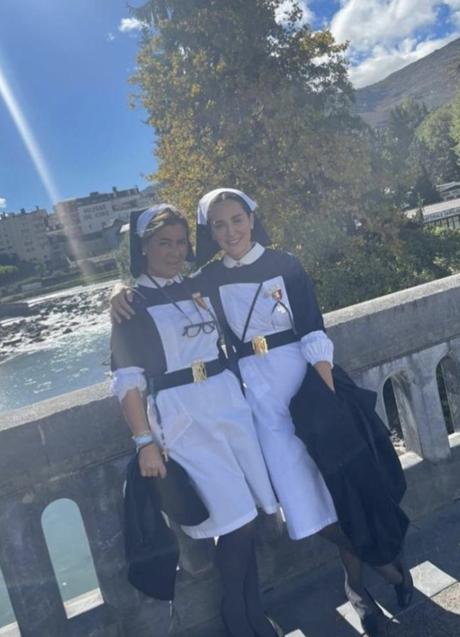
(27, 137)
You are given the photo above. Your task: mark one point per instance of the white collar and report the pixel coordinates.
(147, 283)
(254, 253)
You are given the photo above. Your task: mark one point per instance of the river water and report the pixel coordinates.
(65, 363)
(58, 365)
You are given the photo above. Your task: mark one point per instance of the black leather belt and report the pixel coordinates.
(197, 373)
(260, 345)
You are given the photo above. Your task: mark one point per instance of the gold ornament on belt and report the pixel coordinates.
(199, 372)
(259, 345)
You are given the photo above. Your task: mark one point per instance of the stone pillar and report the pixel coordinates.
(451, 372)
(27, 569)
(419, 405)
(98, 493)
(374, 379)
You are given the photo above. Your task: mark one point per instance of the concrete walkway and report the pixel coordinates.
(314, 606)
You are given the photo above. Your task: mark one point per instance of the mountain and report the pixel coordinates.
(433, 80)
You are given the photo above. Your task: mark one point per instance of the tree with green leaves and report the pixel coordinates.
(435, 147)
(404, 121)
(239, 100)
(455, 124)
(8, 273)
(395, 147)
(423, 192)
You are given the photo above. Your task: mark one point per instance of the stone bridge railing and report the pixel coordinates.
(405, 336)
(76, 447)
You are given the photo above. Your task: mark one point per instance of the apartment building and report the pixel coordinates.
(24, 234)
(97, 211)
(79, 227)
(66, 214)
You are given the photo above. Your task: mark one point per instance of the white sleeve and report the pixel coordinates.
(127, 378)
(317, 346)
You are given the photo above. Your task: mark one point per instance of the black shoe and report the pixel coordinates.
(404, 590)
(369, 612)
(278, 630)
(372, 625)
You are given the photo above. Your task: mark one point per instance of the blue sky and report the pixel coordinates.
(68, 64)
(64, 69)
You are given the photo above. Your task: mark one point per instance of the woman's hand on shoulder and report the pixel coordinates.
(151, 463)
(121, 299)
(324, 369)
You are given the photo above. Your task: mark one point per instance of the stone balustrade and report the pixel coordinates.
(76, 446)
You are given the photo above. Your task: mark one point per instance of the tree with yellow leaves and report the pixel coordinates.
(241, 99)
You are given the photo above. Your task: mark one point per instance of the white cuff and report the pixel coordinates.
(127, 378)
(317, 346)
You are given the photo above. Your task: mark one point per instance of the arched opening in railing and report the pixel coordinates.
(8, 624)
(448, 379)
(71, 557)
(393, 418)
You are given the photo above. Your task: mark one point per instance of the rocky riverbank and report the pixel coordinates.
(51, 319)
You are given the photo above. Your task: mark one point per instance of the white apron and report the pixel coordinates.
(271, 381)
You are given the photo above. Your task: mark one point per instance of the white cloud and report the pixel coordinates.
(382, 60)
(110, 37)
(130, 24)
(373, 22)
(285, 8)
(455, 12)
(386, 35)
(2, 202)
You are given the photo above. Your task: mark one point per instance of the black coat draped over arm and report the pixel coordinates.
(352, 448)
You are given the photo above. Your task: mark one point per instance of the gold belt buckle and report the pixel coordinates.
(259, 345)
(199, 372)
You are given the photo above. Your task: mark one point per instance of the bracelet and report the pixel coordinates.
(146, 432)
(142, 440)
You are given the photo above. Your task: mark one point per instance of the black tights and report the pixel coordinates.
(352, 564)
(241, 609)
(367, 610)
